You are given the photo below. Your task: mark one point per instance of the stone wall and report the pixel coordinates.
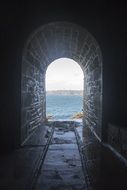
(50, 42)
(93, 96)
(117, 138)
(33, 98)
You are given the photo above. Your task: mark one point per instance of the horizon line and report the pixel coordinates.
(64, 90)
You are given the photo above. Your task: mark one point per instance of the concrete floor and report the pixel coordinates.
(18, 168)
(60, 168)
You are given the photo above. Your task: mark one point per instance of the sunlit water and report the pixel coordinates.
(63, 107)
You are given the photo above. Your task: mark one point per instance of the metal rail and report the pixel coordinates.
(31, 184)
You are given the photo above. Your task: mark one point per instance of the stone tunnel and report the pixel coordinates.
(33, 35)
(50, 42)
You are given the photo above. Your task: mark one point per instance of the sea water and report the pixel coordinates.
(63, 107)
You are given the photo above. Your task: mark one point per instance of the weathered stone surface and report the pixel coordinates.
(117, 138)
(51, 42)
(62, 168)
(92, 96)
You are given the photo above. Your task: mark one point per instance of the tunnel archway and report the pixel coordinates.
(64, 87)
(46, 44)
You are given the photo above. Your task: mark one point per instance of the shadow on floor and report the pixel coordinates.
(103, 170)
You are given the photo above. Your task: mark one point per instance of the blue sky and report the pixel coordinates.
(64, 74)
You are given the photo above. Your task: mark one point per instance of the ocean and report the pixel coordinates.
(63, 107)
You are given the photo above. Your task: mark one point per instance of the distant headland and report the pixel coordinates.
(64, 92)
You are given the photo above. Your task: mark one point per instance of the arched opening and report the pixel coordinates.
(50, 42)
(64, 90)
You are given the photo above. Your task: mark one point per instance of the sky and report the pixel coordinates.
(64, 74)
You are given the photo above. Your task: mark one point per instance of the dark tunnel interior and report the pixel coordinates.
(36, 154)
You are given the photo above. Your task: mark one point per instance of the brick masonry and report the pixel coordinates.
(50, 42)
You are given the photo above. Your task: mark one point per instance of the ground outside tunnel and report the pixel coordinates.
(70, 162)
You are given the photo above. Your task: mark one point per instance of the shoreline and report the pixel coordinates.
(76, 120)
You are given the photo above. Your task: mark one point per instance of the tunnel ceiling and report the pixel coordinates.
(61, 39)
(50, 42)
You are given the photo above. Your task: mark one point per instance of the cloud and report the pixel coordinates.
(64, 74)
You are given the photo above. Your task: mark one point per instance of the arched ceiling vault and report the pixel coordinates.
(61, 39)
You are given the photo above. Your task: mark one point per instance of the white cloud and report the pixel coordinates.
(65, 74)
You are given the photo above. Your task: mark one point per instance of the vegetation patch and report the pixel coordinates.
(78, 115)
